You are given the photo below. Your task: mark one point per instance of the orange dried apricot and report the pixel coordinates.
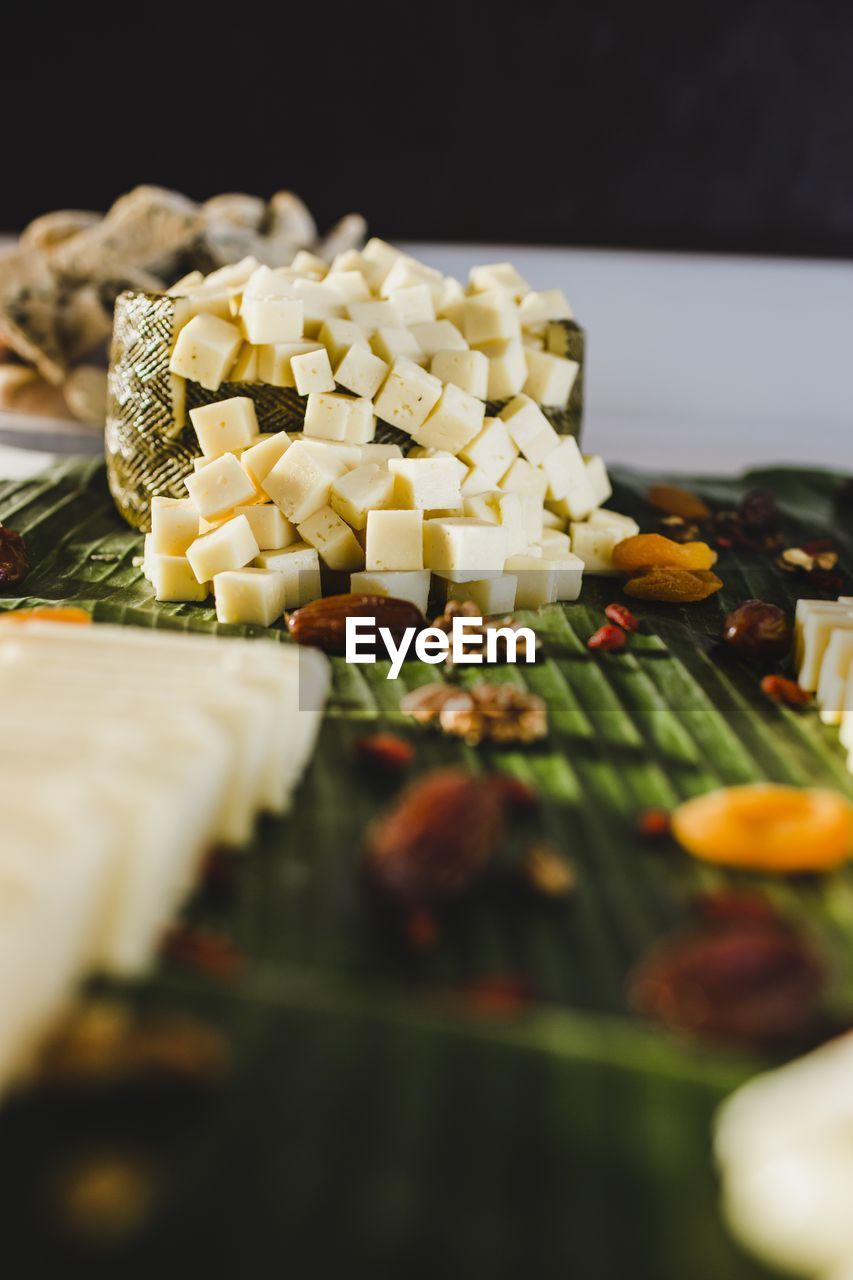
(767, 827)
(676, 586)
(46, 614)
(673, 501)
(654, 551)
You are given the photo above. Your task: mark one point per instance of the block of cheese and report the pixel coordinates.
(337, 336)
(351, 285)
(492, 450)
(818, 626)
(379, 452)
(407, 396)
(523, 477)
(349, 455)
(555, 542)
(219, 487)
(312, 372)
(231, 546)
(361, 372)
(597, 475)
(570, 489)
(271, 528)
(601, 518)
(392, 344)
(173, 579)
(249, 596)
(368, 487)
(433, 336)
(299, 565)
(414, 303)
(835, 672)
(174, 525)
(454, 422)
(327, 416)
(806, 608)
(507, 367)
(491, 595)
(205, 350)
(506, 509)
(335, 541)
(260, 458)
(498, 277)
(549, 378)
(407, 271)
(382, 255)
(530, 430)
(319, 302)
(491, 317)
(361, 427)
(426, 484)
(463, 545)
(468, 370)
(537, 581)
(271, 320)
(395, 541)
(538, 308)
(569, 569)
(225, 425)
(301, 481)
(550, 520)
(353, 260)
(306, 263)
(476, 481)
(371, 316)
(412, 586)
(275, 361)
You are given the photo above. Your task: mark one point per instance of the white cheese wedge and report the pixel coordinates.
(205, 350)
(225, 426)
(412, 586)
(395, 541)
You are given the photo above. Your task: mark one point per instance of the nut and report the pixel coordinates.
(484, 711)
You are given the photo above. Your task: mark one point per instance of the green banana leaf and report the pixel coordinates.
(372, 1122)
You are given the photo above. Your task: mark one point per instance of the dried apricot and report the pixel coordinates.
(767, 827)
(654, 551)
(673, 501)
(46, 614)
(677, 586)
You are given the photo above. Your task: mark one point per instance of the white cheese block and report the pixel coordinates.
(251, 596)
(219, 487)
(205, 350)
(595, 546)
(271, 529)
(475, 482)
(309, 264)
(361, 372)
(506, 509)
(174, 525)
(438, 335)
(379, 453)
(539, 308)
(338, 336)
(392, 344)
(231, 546)
(493, 450)
(555, 541)
(507, 367)
(335, 541)
(454, 422)
(818, 625)
(327, 416)
(569, 484)
(412, 586)
(425, 484)
(312, 372)
(382, 256)
(260, 458)
(537, 580)
(491, 595)
(549, 378)
(414, 304)
(468, 370)
(531, 431)
(299, 565)
(368, 487)
(596, 473)
(301, 481)
(498, 277)
(351, 285)
(225, 426)
(604, 519)
(491, 317)
(805, 608)
(834, 674)
(463, 544)
(406, 271)
(395, 541)
(245, 367)
(407, 396)
(275, 361)
(371, 316)
(173, 579)
(271, 320)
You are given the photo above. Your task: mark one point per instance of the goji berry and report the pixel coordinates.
(609, 639)
(622, 616)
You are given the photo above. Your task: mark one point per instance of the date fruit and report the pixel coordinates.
(14, 564)
(322, 623)
(758, 632)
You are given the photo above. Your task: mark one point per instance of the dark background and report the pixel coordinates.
(713, 127)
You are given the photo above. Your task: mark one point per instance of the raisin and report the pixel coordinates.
(758, 511)
(673, 586)
(14, 564)
(652, 551)
(758, 632)
(678, 502)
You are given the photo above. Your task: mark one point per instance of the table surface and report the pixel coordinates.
(701, 363)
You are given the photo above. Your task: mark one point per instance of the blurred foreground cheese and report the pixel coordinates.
(156, 746)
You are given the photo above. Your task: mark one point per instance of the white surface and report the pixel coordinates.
(701, 363)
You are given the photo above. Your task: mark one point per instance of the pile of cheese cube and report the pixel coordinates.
(501, 511)
(126, 754)
(823, 653)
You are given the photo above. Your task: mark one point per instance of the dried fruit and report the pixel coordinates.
(476, 639)
(14, 563)
(436, 839)
(386, 752)
(322, 623)
(46, 614)
(787, 691)
(547, 871)
(499, 995)
(105, 1198)
(677, 530)
(496, 712)
(749, 983)
(651, 551)
(621, 616)
(674, 501)
(207, 950)
(758, 632)
(609, 639)
(654, 824)
(673, 586)
(767, 827)
(724, 907)
(515, 793)
(758, 512)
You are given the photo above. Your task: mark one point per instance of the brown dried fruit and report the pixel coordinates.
(652, 550)
(436, 839)
(749, 983)
(621, 616)
(210, 952)
(759, 633)
(548, 872)
(674, 501)
(787, 691)
(758, 512)
(497, 712)
(386, 752)
(609, 639)
(654, 824)
(105, 1198)
(14, 564)
(673, 585)
(322, 623)
(677, 529)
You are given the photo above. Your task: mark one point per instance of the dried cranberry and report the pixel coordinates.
(14, 564)
(653, 824)
(622, 617)
(386, 752)
(609, 639)
(758, 632)
(758, 511)
(787, 691)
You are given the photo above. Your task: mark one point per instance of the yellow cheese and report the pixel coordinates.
(225, 426)
(205, 350)
(395, 540)
(231, 546)
(219, 487)
(249, 596)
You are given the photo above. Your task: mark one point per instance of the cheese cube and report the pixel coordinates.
(523, 477)
(309, 264)
(260, 458)
(231, 546)
(173, 579)
(476, 481)
(235, 275)
(299, 566)
(490, 595)
(174, 525)
(412, 586)
(493, 450)
(275, 361)
(352, 260)
(532, 341)
(569, 569)
(595, 546)
(395, 540)
(349, 455)
(466, 369)
(406, 272)
(351, 285)
(335, 541)
(327, 416)
(539, 308)
(271, 529)
(491, 317)
(371, 316)
(312, 372)
(597, 475)
(272, 320)
(426, 484)
(407, 396)
(451, 304)
(220, 486)
(438, 335)
(205, 350)
(390, 344)
(454, 422)
(555, 542)
(245, 367)
(383, 256)
(414, 303)
(339, 335)
(507, 368)
(460, 544)
(380, 452)
(569, 484)
(498, 277)
(603, 519)
(250, 596)
(549, 378)
(225, 426)
(550, 520)
(505, 509)
(210, 302)
(537, 581)
(319, 301)
(361, 372)
(362, 422)
(185, 285)
(530, 429)
(368, 487)
(301, 481)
